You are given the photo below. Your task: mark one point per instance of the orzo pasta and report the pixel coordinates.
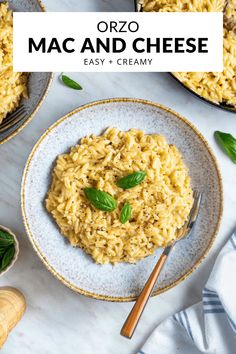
(160, 204)
(13, 85)
(215, 86)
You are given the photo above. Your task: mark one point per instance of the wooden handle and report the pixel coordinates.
(137, 310)
(12, 308)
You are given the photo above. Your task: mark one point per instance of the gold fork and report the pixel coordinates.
(137, 310)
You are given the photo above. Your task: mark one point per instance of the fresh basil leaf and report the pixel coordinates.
(2, 251)
(3, 247)
(70, 83)
(228, 144)
(126, 213)
(100, 200)
(7, 257)
(6, 235)
(131, 180)
(5, 243)
(6, 239)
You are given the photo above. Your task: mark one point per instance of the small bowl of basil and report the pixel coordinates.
(9, 249)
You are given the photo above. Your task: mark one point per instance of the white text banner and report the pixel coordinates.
(118, 42)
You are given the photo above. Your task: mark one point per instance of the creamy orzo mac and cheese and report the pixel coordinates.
(160, 204)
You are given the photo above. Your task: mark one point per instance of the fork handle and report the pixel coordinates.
(137, 310)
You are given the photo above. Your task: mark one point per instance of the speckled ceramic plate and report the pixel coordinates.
(38, 84)
(73, 266)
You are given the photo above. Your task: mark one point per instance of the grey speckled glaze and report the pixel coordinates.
(77, 268)
(38, 82)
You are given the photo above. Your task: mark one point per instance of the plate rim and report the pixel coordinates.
(30, 234)
(31, 116)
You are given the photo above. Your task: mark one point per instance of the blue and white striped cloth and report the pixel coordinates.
(210, 325)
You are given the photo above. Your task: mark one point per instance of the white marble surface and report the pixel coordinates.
(58, 320)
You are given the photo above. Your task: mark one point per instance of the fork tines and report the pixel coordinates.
(197, 196)
(13, 118)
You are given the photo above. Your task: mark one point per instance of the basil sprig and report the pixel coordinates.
(126, 213)
(131, 180)
(228, 144)
(8, 257)
(100, 200)
(70, 83)
(7, 249)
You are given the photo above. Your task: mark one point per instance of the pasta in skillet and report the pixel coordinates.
(13, 85)
(215, 86)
